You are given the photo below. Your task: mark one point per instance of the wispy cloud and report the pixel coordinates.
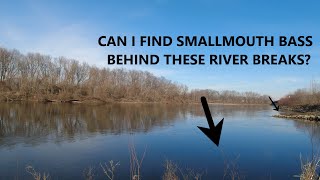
(282, 80)
(11, 33)
(231, 85)
(70, 41)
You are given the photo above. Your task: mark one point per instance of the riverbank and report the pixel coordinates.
(307, 108)
(302, 112)
(96, 101)
(299, 116)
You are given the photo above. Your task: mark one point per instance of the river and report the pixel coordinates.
(66, 140)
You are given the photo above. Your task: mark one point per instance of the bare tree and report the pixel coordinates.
(42, 77)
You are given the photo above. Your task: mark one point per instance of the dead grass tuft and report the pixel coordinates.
(309, 169)
(37, 175)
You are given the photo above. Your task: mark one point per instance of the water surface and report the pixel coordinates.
(64, 140)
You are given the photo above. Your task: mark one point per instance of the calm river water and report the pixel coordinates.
(65, 140)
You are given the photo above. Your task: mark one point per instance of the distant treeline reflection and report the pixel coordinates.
(60, 122)
(38, 120)
(312, 129)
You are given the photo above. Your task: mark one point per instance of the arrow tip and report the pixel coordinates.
(276, 107)
(213, 134)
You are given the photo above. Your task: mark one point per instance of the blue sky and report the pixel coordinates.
(71, 28)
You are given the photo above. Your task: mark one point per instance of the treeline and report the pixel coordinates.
(307, 97)
(38, 77)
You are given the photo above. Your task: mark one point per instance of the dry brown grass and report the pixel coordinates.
(135, 163)
(37, 175)
(309, 169)
(170, 172)
(89, 173)
(109, 170)
(231, 169)
(174, 172)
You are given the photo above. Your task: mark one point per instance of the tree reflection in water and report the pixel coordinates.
(58, 122)
(313, 131)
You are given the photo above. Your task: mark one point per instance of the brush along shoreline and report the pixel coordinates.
(94, 100)
(301, 112)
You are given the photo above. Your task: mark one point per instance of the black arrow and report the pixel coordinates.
(274, 104)
(213, 132)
